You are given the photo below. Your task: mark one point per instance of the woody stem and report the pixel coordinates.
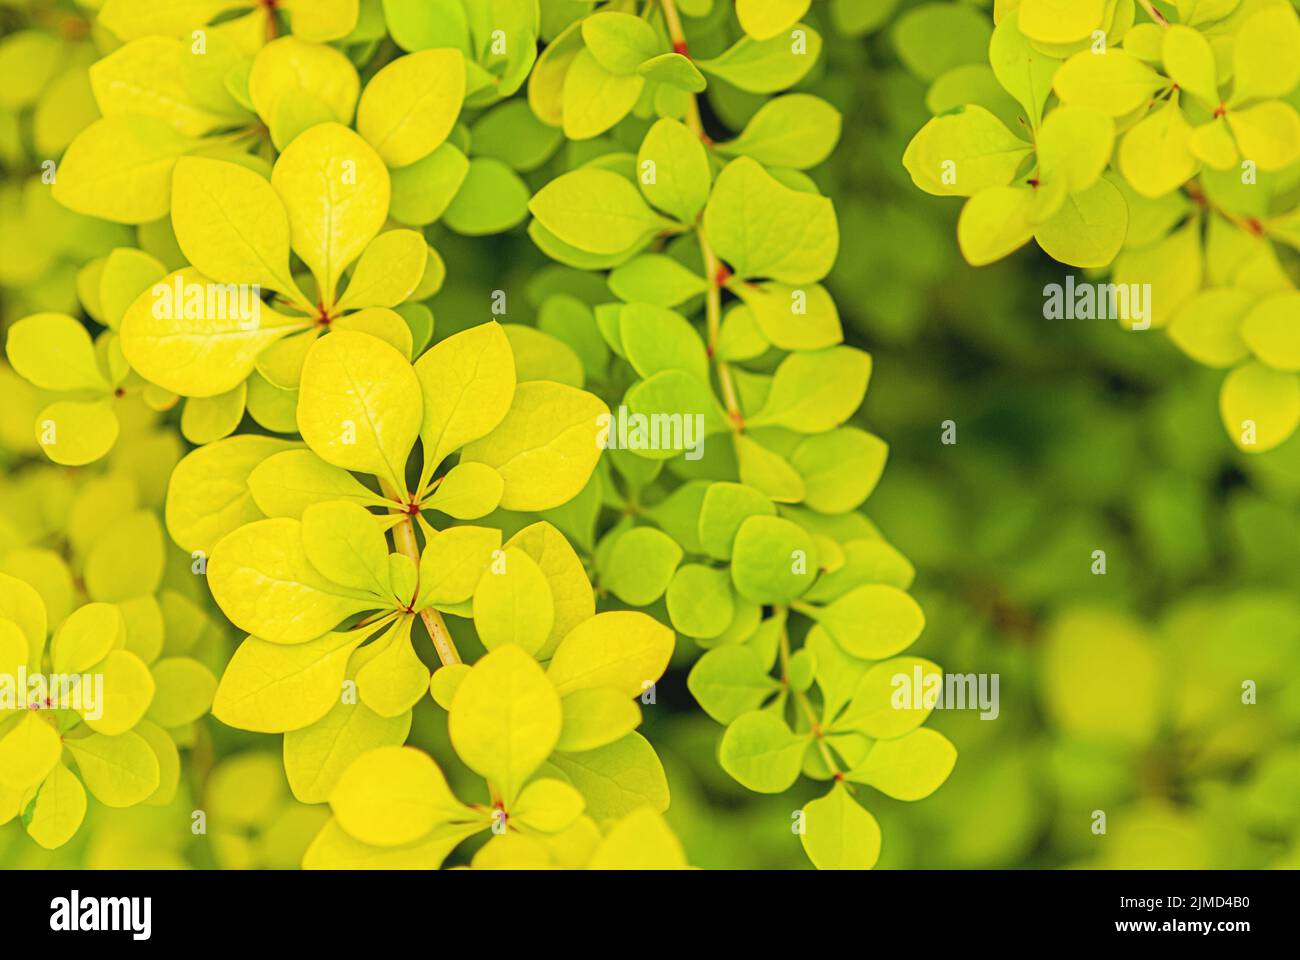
(404, 539)
(712, 265)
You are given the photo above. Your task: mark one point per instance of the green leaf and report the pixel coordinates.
(513, 604)
(762, 753)
(655, 279)
(198, 347)
(700, 601)
(491, 199)
(656, 339)
(675, 71)
(127, 558)
(410, 106)
(773, 560)
(86, 637)
(506, 719)
(874, 621)
(147, 77)
(797, 130)
(640, 566)
(545, 448)
(1024, 71)
(596, 211)
(294, 84)
(185, 689)
(767, 471)
(422, 192)
(359, 405)
(838, 834)
(892, 698)
(595, 99)
(1189, 61)
(764, 229)
(767, 66)
(729, 681)
(620, 42)
(909, 768)
(724, 508)
(816, 391)
(540, 356)
(1074, 146)
(674, 170)
(839, 468)
(764, 19)
(29, 749)
(1060, 21)
(934, 38)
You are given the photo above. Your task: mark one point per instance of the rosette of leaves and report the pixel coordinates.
(1162, 145)
(87, 382)
(119, 747)
(556, 745)
(320, 559)
(327, 199)
(714, 250)
(178, 87)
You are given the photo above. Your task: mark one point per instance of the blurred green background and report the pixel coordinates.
(1120, 693)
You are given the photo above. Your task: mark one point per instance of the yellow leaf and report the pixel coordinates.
(505, 719)
(623, 649)
(410, 106)
(392, 796)
(1260, 406)
(336, 191)
(359, 405)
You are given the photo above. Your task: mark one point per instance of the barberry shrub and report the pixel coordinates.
(364, 504)
(1157, 141)
(713, 243)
